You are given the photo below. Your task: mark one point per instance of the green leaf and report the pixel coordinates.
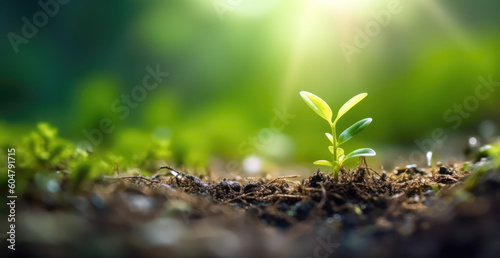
(354, 129)
(360, 152)
(323, 163)
(318, 105)
(349, 104)
(340, 151)
(329, 136)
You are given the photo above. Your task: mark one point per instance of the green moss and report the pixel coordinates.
(44, 159)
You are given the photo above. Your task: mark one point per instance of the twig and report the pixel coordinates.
(238, 197)
(136, 177)
(197, 181)
(374, 171)
(283, 195)
(312, 189)
(283, 177)
(323, 200)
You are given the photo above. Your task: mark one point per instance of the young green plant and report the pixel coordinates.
(323, 110)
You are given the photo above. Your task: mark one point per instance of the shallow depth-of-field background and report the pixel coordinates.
(234, 72)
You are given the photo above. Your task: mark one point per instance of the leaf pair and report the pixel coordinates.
(367, 152)
(323, 110)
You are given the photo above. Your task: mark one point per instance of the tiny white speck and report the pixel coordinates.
(252, 164)
(472, 141)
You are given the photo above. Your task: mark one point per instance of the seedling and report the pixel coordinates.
(323, 110)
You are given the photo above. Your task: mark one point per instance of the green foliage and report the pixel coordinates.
(36, 152)
(323, 110)
(81, 172)
(44, 160)
(134, 148)
(493, 151)
(42, 149)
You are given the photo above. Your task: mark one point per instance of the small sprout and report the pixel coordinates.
(435, 188)
(429, 158)
(358, 210)
(323, 110)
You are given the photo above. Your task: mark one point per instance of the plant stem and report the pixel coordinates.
(335, 158)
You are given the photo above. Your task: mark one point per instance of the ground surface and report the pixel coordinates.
(410, 212)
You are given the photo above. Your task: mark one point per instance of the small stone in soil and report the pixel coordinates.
(283, 207)
(302, 210)
(444, 171)
(227, 185)
(250, 187)
(316, 178)
(277, 221)
(411, 169)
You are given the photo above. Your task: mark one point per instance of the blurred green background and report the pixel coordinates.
(233, 63)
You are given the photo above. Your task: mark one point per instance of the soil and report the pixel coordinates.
(411, 212)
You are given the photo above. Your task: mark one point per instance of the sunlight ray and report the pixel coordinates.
(447, 22)
(294, 65)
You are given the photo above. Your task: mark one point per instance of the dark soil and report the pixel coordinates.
(412, 212)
